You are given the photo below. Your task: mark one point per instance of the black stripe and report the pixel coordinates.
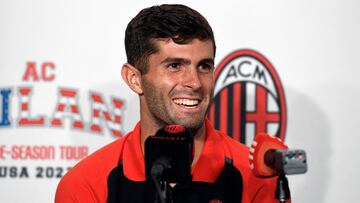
(243, 113)
(230, 110)
(217, 112)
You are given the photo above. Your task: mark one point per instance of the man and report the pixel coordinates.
(170, 51)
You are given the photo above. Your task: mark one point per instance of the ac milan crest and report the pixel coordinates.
(248, 97)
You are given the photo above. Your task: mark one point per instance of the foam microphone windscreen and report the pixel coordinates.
(261, 144)
(174, 144)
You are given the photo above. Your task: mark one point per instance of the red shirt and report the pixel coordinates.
(88, 181)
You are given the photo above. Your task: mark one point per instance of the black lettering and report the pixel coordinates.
(230, 73)
(59, 172)
(39, 172)
(24, 172)
(49, 172)
(259, 74)
(240, 66)
(3, 171)
(13, 172)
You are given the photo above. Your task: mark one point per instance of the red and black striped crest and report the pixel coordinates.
(248, 97)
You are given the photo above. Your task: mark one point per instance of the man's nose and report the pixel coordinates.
(191, 78)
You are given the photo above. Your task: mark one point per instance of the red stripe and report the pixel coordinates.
(24, 90)
(237, 111)
(95, 128)
(117, 103)
(261, 103)
(117, 119)
(24, 106)
(211, 114)
(26, 121)
(96, 98)
(74, 109)
(116, 133)
(96, 113)
(107, 116)
(61, 107)
(223, 110)
(56, 122)
(78, 124)
(68, 93)
(261, 117)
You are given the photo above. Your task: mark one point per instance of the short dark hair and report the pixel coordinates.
(177, 22)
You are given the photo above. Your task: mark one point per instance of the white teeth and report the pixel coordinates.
(186, 102)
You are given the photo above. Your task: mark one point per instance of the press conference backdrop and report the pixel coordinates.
(62, 96)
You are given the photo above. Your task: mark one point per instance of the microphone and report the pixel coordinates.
(270, 156)
(168, 154)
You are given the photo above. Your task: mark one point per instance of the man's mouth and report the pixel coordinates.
(187, 102)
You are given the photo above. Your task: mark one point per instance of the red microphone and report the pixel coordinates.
(262, 144)
(270, 156)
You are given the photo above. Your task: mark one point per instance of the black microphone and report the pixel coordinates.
(168, 154)
(289, 161)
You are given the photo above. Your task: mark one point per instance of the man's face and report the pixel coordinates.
(178, 85)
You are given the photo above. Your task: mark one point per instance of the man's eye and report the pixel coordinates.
(174, 65)
(206, 67)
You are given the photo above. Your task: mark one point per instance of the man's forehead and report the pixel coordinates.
(167, 46)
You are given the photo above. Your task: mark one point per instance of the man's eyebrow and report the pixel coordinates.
(176, 60)
(207, 61)
(187, 61)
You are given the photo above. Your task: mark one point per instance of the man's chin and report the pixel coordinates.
(191, 124)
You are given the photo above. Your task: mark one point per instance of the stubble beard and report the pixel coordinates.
(156, 102)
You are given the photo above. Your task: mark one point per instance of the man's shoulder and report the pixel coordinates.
(102, 160)
(233, 148)
(237, 152)
(89, 176)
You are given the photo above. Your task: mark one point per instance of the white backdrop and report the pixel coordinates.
(314, 46)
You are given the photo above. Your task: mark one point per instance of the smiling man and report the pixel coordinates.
(170, 51)
(177, 87)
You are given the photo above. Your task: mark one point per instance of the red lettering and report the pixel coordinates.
(31, 72)
(46, 76)
(100, 111)
(25, 152)
(67, 106)
(25, 118)
(2, 151)
(47, 72)
(73, 152)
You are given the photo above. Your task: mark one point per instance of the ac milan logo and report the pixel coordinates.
(248, 97)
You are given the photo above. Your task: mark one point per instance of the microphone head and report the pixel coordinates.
(261, 144)
(173, 130)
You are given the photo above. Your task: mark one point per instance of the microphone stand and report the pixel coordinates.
(158, 170)
(282, 189)
(163, 193)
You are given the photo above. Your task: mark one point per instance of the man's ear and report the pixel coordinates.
(132, 77)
